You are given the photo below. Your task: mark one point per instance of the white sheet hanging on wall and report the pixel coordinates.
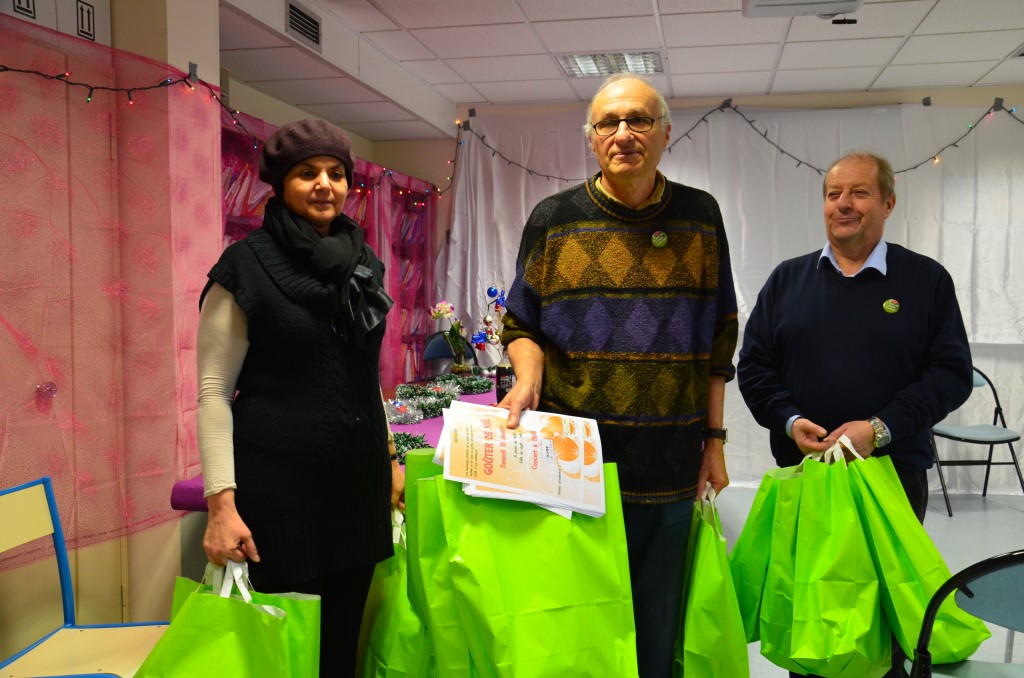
(965, 211)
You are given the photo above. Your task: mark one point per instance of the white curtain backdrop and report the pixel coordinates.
(966, 211)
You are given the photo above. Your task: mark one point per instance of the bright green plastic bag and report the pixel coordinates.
(396, 644)
(909, 566)
(838, 626)
(538, 594)
(775, 617)
(435, 602)
(749, 558)
(211, 630)
(820, 610)
(713, 643)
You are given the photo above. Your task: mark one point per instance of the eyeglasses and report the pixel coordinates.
(608, 127)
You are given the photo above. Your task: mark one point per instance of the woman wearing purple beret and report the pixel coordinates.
(293, 435)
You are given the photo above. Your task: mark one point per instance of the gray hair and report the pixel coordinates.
(886, 177)
(666, 113)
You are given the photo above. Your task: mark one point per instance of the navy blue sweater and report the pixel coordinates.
(823, 346)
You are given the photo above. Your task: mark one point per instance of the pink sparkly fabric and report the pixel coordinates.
(110, 217)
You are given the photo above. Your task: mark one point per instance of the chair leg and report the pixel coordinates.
(988, 469)
(942, 478)
(1008, 654)
(1016, 465)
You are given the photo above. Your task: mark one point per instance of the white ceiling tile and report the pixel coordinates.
(238, 31)
(825, 80)
(495, 69)
(1010, 71)
(586, 88)
(720, 28)
(548, 10)
(399, 45)
(599, 35)
(526, 90)
(924, 75)
(277, 63)
(954, 48)
(710, 49)
(720, 84)
(384, 110)
(319, 91)
(873, 21)
(961, 16)
(460, 93)
(419, 14)
(721, 59)
(359, 15)
(433, 71)
(680, 6)
(839, 53)
(396, 131)
(473, 41)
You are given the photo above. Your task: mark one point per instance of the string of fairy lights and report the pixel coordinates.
(728, 106)
(130, 92)
(188, 81)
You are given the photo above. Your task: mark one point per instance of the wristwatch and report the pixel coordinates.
(720, 433)
(882, 436)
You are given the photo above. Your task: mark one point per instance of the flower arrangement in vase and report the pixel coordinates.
(443, 310)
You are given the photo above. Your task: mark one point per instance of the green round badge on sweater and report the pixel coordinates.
(891, 306)
(659, 239)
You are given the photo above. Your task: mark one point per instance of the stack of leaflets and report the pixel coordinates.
(552, 460)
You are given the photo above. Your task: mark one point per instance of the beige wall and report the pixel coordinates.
(175, 32)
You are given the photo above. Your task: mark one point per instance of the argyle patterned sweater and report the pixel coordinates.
(630, 332)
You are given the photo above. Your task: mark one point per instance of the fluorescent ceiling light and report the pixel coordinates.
(596, 65)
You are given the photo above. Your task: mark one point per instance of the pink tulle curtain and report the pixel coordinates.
(398, 213)
(110, 216)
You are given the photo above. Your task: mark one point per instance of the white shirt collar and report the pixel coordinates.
(875, 260)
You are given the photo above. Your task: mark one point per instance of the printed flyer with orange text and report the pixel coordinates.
(553, 460)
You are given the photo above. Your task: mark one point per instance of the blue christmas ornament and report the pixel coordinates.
(492, 292)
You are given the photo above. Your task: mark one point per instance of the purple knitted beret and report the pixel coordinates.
(294, 142)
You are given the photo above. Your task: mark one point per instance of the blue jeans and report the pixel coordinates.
(656, 538)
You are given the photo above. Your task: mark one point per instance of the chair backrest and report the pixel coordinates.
(29, 512)
(992, 589)
(981, 379)
(436, 347)
(996, 595)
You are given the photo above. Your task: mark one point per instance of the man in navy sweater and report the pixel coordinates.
(863, 337)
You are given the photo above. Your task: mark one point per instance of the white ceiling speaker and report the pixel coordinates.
(756, 9)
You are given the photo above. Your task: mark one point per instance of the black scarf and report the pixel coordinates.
(340, 259)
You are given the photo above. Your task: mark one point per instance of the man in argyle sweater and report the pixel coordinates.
(623, 310)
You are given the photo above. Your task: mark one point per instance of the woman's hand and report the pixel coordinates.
(227, 537)
(397, 486)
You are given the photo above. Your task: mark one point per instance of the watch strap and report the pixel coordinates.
(882, 436)
(720, 433)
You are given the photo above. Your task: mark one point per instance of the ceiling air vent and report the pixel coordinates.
(777, 8)
(303, 25)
